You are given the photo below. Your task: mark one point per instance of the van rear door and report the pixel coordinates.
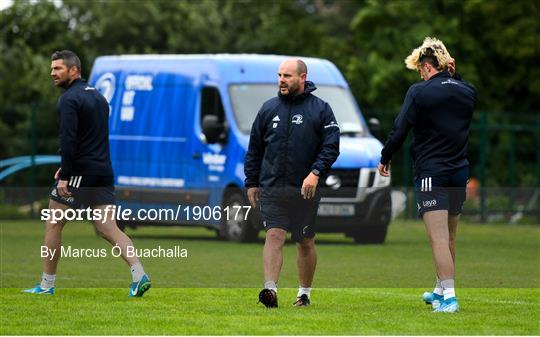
(210, 159)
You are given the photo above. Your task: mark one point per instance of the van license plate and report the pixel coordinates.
(331, 209)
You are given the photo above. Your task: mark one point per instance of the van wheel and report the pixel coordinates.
(370, 235)
(121, 225)
(236, 228)
(377, 228)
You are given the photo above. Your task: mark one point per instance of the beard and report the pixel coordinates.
(62, 82)
(292, 89)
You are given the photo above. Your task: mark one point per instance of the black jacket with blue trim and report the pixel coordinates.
(84, 132)
(439, 111)
(290, 137)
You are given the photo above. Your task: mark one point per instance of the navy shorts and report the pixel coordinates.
(444, 192)
(87, 191)
(291, 213)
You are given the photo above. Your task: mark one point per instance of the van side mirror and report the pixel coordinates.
(374, 126)
(213, 130)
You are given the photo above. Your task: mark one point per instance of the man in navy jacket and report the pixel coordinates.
(85, 178)
(294, 141)
(439, 112)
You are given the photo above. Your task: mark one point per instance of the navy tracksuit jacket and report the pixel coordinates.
(290, 137)
(439, 111)
(84, 132)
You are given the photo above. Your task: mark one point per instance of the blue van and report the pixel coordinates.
(179, 129)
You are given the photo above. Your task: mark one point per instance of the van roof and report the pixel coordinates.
(230, 68)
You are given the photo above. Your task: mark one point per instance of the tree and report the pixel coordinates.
(495, 42)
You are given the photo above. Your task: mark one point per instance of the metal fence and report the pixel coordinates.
(505, 169)
(504, 156)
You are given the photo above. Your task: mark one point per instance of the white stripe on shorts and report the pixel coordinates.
(70, 181)
(78, 181)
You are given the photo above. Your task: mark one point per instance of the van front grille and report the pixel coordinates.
(340, 183)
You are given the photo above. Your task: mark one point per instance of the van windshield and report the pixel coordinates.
(247, 99)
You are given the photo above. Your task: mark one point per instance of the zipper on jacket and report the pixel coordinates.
(287, 142)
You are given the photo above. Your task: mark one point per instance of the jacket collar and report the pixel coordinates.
(75, 81)
(443, 73)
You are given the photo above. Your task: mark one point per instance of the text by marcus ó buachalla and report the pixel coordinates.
(115, 251)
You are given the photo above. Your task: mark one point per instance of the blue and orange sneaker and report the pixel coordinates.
(434, 299)
(40, 291)
(137, 289)
(449, 305)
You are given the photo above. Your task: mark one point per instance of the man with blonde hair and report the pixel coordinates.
(439, 111)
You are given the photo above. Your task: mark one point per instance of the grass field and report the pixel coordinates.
(359, 289)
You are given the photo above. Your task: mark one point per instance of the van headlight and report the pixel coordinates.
(333, 181)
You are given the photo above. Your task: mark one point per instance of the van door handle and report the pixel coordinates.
(197, 156)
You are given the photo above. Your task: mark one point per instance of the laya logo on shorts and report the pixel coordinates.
(297, 119)
(68, 199)
(430, 203)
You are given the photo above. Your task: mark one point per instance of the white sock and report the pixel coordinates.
(448, 288)
(270, 285)
(47, 281)
(137, 272)
(438, 287)
(302, 291)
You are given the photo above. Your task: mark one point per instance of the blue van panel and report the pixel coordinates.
(358, 152)
(221, 67)
(154, 123)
